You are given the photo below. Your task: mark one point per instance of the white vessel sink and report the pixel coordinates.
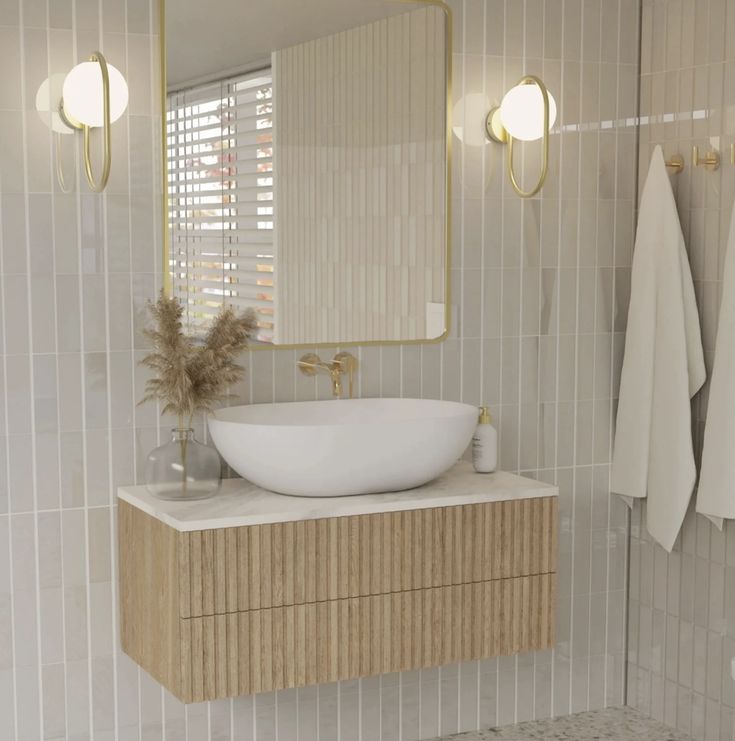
(336, 448)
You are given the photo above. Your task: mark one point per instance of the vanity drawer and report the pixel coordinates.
(270, 649)
(293, 563)
(241, 610)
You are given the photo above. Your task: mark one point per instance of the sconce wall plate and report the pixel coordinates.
(496, 131)
(69, 120)
(494, 126)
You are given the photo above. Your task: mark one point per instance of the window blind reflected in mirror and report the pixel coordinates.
(220, 196)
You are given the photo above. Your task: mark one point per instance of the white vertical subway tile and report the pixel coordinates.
(503, 242)
(286, 715)
(103, 697)
(45, 414)
(174, 713)
(525, 689)
(307, 710)
(11, 152)
(429, 702)
(448, 681)
(28, 702)
(54, 712)
(220, 726)
(390, 708)
(151, 709)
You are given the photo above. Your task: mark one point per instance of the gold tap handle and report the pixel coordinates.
(309, 364)
(347, 363)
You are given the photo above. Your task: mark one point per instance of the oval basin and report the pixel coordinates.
(338, 448)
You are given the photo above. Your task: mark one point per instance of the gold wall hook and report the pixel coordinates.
(711, 160)
(732, 154)
(676, 163)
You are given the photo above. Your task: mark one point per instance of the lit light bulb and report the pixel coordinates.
(522, 112)
(82, 94)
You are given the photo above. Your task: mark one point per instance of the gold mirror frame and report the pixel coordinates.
(448, 36)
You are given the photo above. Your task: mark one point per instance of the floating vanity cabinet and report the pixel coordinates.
(252, 591)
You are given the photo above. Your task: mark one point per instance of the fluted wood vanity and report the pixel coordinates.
(252, 591)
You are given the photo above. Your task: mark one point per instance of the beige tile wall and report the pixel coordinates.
(682, 606)
(540, 289)
(370, 253)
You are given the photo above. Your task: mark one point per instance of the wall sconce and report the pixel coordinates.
(527, 113)
(93, 95)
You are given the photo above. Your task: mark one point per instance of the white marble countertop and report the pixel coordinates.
(241, 503)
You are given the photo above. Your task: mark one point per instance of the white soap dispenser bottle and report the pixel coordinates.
(485, 444)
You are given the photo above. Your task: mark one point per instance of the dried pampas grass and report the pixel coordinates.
(191, 375)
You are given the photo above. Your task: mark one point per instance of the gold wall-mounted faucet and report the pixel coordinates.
(342, 364)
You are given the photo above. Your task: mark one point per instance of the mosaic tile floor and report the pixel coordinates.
(621, 724)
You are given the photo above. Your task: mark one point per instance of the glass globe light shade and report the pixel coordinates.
(48, 98)
(522, 112)
(82, 93)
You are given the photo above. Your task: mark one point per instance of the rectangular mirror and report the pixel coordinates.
(307, 154)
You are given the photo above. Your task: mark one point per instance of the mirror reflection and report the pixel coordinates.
(307, 167)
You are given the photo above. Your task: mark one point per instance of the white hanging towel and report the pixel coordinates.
(716, 491)
(663, 366)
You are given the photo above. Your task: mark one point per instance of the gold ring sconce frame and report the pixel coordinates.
(497, 133)
(96, 186)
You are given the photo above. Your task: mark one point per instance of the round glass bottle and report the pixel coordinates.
(183, 469)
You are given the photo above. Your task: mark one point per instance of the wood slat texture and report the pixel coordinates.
(220, 613)
(362, 636)
(264, 566)
(149, 594)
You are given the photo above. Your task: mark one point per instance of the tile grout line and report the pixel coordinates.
(108, 372)
(7, 518)
(31, 368)
(483, 401)
(56, 153)
(521, 275)
(460, 329)
(83, 359)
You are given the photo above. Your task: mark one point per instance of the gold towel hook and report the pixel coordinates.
(676, 163)
(711, 160)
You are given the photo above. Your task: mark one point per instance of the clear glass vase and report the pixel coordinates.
(183, 469)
